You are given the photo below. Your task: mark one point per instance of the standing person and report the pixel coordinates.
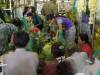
(58, 66)
(85, 45)
(50, 7)
(20, 62)
(38, 22)
(85, 27)
(67, 28)
(6, 30)
(27, 22)
(27, 25)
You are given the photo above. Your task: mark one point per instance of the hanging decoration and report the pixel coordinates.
(81, 5)
(92, 7)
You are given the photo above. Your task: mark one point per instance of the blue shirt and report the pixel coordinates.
(65, 21)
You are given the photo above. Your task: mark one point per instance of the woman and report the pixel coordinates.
(85, 45)
(66, 29)
(58, 66)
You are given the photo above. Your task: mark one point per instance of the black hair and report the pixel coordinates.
(84, 37)
(57, 49)
(20, 39)
(29, 14)
(50, 17)
(17, 22)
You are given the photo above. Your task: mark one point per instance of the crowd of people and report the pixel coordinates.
(61, 52)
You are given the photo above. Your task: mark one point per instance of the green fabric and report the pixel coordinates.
(26, 26)
(98, 73)
(61, 36)
(97, 52)
(30, 44)
(46, 53)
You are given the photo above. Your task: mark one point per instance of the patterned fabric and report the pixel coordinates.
(5, 31)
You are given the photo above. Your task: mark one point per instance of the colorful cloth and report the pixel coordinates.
(38, 21)
(64, 21)
(25, 24)
(87, 48)
(46, 53)
(26, 27)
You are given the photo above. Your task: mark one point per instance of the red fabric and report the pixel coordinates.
(34, 29)
(51, 69)
(88, 49)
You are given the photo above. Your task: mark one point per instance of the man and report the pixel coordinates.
(6, 30)
(20, 62)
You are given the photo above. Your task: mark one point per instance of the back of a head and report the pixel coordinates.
(84, 37)
(20, 39)
(63, 66)
(17, 22)
(50, 17)
(57, 50)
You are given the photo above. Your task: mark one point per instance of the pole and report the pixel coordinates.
(10, 7)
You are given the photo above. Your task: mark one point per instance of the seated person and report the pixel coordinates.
(85, 45)
(20, 62)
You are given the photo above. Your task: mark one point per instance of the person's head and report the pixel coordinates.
(83, 38)
(20, 39)
(50, 18)
(29, 16)
(17, 22)
(57, 50)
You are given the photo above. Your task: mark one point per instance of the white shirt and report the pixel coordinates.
(21, 62)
